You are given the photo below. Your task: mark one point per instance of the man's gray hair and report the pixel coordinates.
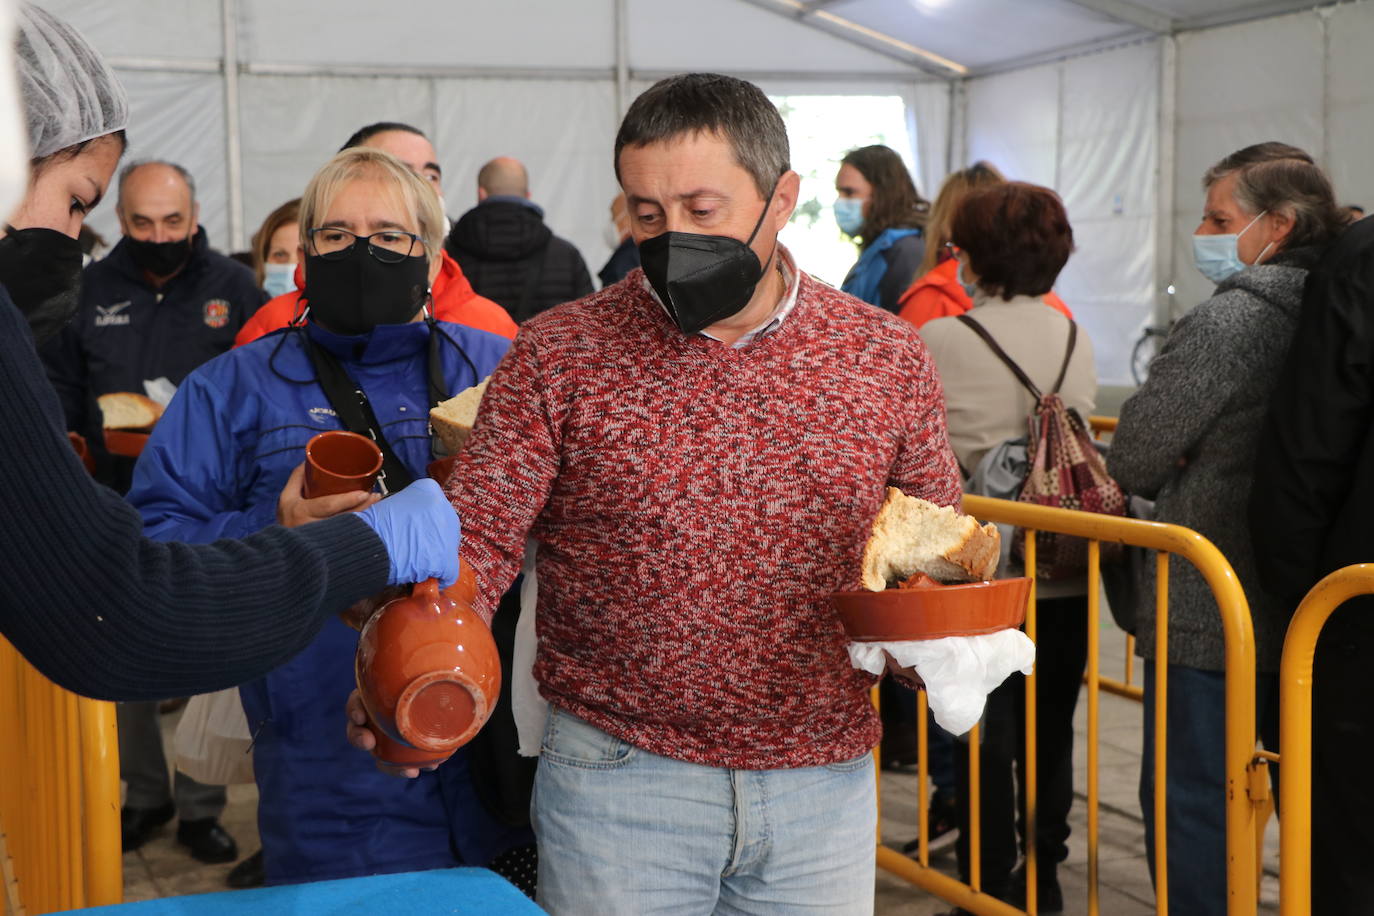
(1275, 177)
(694, 103)
(129, 169)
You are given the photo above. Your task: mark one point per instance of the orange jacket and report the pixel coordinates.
(454, 300)
(939, 295)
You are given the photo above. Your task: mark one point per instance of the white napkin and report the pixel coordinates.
(959, 671)
(159, 389)
(531, 711)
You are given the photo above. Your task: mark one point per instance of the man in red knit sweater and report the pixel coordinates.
(699, 451)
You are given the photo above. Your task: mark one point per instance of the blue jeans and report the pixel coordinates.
(625, 831)
(1195, 782)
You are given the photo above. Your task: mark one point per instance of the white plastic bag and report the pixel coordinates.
(959, 671)
(212, 739)
(531, 711)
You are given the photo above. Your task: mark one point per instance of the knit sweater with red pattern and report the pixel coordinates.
(694, 506)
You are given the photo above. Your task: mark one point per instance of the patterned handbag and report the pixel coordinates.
(1065, 470)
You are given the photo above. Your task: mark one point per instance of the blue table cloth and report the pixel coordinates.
(422, 893)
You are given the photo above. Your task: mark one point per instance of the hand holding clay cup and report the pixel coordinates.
(340, 462)
(428, 677)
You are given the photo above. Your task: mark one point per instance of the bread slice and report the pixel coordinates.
(911, 535)
(453, 419)
(127, 410)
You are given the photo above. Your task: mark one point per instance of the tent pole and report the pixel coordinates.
(233, 148)
(1167, 177)
(622, 59)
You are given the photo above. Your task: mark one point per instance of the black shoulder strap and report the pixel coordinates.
(1011, 364)
(1068, 355)
(354, 410)
(1016, 370)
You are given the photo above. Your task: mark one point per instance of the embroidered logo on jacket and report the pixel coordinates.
(107, 315)
(216, 313)
(324, 416)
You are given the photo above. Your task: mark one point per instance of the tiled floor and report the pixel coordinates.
(162, 868)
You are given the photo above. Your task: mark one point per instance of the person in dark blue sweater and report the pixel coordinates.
(85, 598)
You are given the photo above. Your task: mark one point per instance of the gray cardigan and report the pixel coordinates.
(1187, 440)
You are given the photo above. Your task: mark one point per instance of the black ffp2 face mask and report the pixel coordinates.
(354, 294)
(41, 269)
(161, 259)
(702, 279)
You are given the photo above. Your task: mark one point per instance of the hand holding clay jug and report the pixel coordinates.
(428, 673)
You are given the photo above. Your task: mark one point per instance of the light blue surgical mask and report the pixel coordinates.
(968, 288)
(849, 213)
(279, 279)
(1217, 256)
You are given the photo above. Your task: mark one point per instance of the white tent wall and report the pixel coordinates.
(530, 78)
(1088, 127)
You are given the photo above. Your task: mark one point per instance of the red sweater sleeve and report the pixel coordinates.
(925, 465)
(505, 473)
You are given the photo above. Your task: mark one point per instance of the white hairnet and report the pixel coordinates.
(70, 94)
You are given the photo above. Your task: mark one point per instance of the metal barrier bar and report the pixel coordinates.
(1032, 771)
(1161, 714)
(1239, 652)
(1094, 723)
(1295, 729)
(59, 798)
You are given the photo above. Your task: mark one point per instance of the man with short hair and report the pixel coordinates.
(700, 452)
(452, 296)
(158, 306)
(508, 252)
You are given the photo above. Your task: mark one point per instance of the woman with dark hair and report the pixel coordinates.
(275, 246)
(1188, 440)
(937, 291)
(84, 596)
(1012, 241)
(880, 207)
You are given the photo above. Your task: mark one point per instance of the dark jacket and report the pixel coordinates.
(104, 611)
(1313, 506)
(125, 332)
(624, 259)
(1187, 439)
(509, 255)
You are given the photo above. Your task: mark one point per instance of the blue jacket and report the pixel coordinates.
(886, 268)
(214, 468)
(126, 331)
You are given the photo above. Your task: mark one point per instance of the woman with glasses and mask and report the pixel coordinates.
(86, 598)
(371, 233)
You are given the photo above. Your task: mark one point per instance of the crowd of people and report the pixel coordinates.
(669, 442)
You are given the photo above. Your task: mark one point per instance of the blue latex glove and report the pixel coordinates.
(421, 532)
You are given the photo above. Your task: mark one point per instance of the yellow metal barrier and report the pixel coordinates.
(59, 795)
(1295, 729)
(1242, 813)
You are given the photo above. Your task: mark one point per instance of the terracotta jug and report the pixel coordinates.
(429, 675)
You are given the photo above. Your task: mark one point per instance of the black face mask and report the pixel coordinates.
(161, 259)
(354, 294)
(702, 279)
(41, 269)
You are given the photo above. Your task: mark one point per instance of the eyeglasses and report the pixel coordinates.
(390, 246)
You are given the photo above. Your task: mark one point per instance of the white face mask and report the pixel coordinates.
(1217, 257)
(279, 279)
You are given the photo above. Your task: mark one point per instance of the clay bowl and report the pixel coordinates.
(966, 609)
(126, 442)
(340, 462)
(429, 675)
